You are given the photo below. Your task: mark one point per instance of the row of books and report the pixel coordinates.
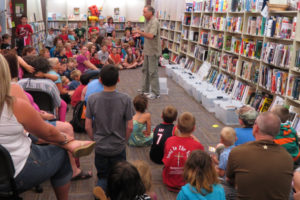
(277, 54)
(194, 35)
(184, 47)
(281, 27)
(221, 5)
(186, 20)
(224, 83)
(185, 33)
(178, 37)
(274, 80)
(172, 25)
(229, 63)
(204, 38)
(200, 52)
(165, 24)
(196, 21)
(234, 24)
(219, 23)
(297, 61)
(37, 26)
(214, 57)
(189, 64)
(233, 44)
(294, 87)
(251, 48)
(217, 40)
(256, 25)
(56, 25)
(164, 34)
(120, 26)
(206, 21)
(249, 71)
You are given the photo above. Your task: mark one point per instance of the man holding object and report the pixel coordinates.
(152, 50)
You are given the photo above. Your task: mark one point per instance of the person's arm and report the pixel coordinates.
(129, 129)
(61, 89)
(147, 132)
(89, 128)
(52, 77)
(90, 65)
(34, 124)
(143, 34)
(83, 93)
(27, 67)
(18, 92)
(111, 60)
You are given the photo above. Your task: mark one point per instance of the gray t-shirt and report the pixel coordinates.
(110, 112)
(103, 57)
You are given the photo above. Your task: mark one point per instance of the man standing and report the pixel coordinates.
(152, 50)
(261, 169)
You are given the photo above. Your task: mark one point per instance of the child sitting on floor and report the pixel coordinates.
(287, 137)
(177, 150)
(139, 57)
(202, 180)
(141, 134)
(123, 183)
(115, 58)
(146, 176)
(130, 61)
(227, 140)
(162, 132)
(75, 76)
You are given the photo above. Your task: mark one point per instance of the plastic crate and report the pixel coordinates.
(226, 112)
(209, 97)
(163, 86)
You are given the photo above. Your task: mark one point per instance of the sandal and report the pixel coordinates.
(83, 150)
(82, 175)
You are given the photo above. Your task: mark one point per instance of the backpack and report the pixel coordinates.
(78, 121)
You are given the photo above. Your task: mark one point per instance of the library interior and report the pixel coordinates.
(149, 99)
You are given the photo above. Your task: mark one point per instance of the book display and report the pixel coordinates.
(254, 57)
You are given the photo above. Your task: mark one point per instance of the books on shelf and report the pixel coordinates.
(216, 40)
(214, 57)
(234, 24)
(294, 87)
(178, 37)
(208, 5)
(229, 63)
(281, 27)
(221, 5)
(189, 64)
(188, 7)
(185, 33)
(184, 47)
(204, 38)
(194, 35)
(256, 25)
(206, 21)
(232, 44)
(249, 71)
(120, 26)
(253, 5)
(172, 26)
(224, 83)
(251, 48)
(200, 52)
(262, 101)
(237, 5)
(165, 24)
(198, 5)
(297, 59)
(277, 54)
(212, 75)
(196, 21)
(187, 20)
(273, 80)
(218, 23)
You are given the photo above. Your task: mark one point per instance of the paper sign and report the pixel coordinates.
(265, 12)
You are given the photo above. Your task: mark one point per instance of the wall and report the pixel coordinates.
(174, 8)
(34, 8)
(131, 9)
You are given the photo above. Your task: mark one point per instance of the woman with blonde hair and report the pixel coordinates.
(35, 164)
(201, 178)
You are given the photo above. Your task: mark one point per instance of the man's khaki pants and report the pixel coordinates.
(150, 74)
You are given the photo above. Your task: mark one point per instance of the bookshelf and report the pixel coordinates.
(249, 54)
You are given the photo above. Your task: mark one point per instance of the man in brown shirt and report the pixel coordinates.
(261, 170)
(152, 50)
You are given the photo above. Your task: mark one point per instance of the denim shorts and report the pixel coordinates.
(43, 163)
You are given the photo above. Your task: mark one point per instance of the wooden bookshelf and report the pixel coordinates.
(186, 27)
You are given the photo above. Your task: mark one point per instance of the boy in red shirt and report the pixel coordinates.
(93, 30)
(177, 150)
(115, 58)
(23, 32)
(64, 35)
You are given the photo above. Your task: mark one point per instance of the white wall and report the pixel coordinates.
(131, 9)
(174, 8)
(34, 7)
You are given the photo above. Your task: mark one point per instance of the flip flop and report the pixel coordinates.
(99, 193)
(82, 175)
(83, 150)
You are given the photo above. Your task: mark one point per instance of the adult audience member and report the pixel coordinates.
(261, 169)
(109, 26)
(247, 116)
(152, 50)
(83, 62)
(33, 163)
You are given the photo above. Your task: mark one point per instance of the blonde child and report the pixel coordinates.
(141, 134)
(201, 178)
(227, 140)
(75, 76)
(65, 82)
(130, 61)
(146, 176)
(69, 52)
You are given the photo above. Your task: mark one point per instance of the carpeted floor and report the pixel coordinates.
(130, 81)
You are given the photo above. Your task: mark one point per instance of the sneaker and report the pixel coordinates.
(140, 91)
(153, 96)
